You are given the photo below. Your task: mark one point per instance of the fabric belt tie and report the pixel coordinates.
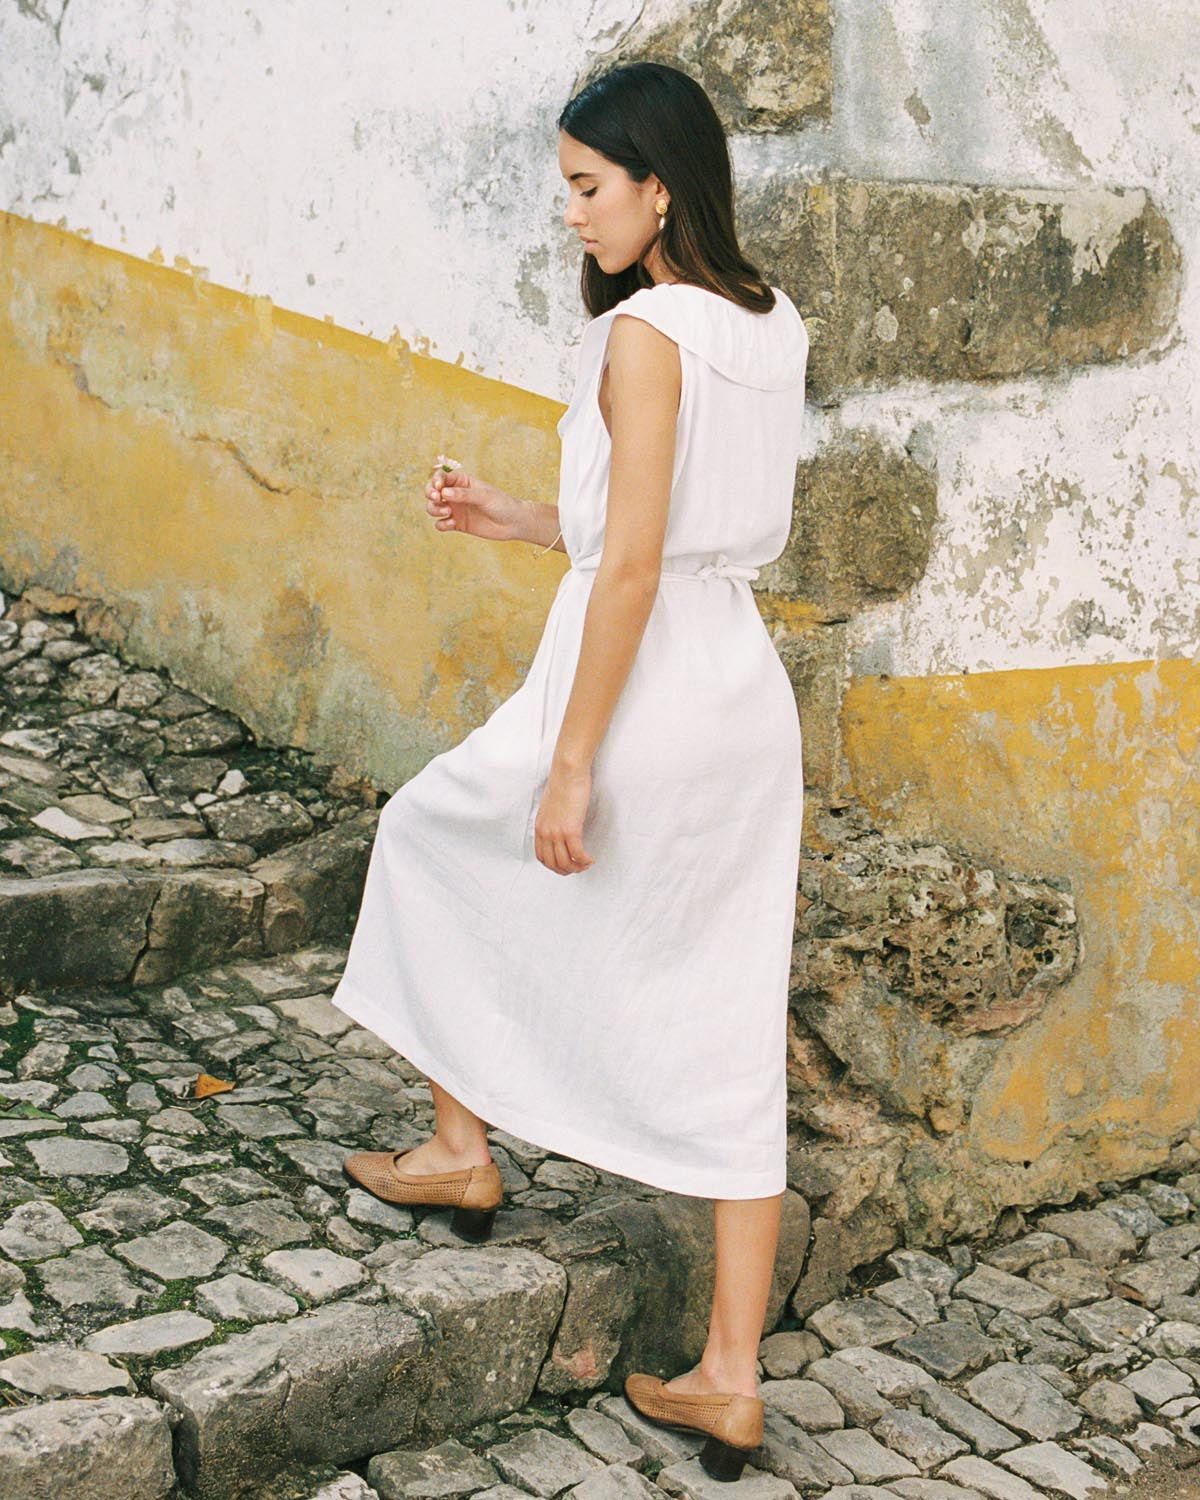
(722, 568)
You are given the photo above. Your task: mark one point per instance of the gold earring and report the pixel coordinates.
(660, 208)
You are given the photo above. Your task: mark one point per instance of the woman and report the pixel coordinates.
(632, 1015)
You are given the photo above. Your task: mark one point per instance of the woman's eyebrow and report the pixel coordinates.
(574, 175)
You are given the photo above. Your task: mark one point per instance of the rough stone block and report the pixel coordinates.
(788, 1452)
(490, 1312)
(660, 1444)
(603, 1437)
(1093, 1236)
(767, 65)
(862, 528)
(448, 1471)
(916, 280)
(852, 1321)
(867, 1459)
(107, 1448)
(75, 927)
(854, 1393)
(947, 1349)
(668, 1246)
(813, 653)
(544, 1463)
(689, 1479)
(616, 1482)
(337, 1384)
(201, 915)
(1017, 1396)
(314, 888)
(985, 1435)
(1052, 1467)
(869, 1231)
(807, 1403)
(600, 1304)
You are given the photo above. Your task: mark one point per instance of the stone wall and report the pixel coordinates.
(234, 331)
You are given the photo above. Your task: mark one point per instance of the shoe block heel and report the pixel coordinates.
(720, 1461)
(474, 1224)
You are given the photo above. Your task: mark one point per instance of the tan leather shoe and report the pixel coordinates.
(474, 1193)
(734, 1422)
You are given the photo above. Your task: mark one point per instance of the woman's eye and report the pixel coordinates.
(589, 193)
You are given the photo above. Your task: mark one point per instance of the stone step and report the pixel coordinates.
(194, 1281)
(95, 926)
(276, 1420)
(144, 831)
(448, 1338)
(205, 1264)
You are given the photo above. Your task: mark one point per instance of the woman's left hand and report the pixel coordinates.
(558, 829)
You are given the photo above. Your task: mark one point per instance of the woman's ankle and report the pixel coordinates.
(473, 1153)
(730, 1375)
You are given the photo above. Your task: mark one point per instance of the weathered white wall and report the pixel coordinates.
(394, 169)
(391, 167)
(1071, 526)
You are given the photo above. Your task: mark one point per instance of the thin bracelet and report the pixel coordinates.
(544, 550)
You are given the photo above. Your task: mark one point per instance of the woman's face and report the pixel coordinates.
(613, 215)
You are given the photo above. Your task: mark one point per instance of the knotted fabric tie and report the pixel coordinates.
(722, 568)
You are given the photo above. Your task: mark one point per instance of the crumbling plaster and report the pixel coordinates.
(397, 176)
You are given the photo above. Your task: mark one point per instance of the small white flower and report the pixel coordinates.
(447, 464)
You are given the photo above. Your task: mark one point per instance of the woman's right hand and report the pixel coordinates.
(460, 502)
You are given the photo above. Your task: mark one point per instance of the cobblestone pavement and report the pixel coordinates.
(139, 1223)
(107, 766)
(146, 833)
(125, 1191)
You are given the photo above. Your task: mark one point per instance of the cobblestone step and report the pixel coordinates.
(144, 831)
(195, 1302)
(208, 1254)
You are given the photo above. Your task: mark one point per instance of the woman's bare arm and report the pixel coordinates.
(645, 381)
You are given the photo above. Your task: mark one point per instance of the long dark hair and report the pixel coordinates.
(649, 117)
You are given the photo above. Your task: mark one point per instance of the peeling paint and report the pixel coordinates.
(250, 484)
(1092, 224)
(1091, 774)
(408, 206)
(1065, 536)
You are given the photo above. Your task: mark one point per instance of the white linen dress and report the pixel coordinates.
(632, 1015)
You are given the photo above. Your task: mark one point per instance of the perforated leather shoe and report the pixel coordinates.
(733, 1422)
(474, 1193)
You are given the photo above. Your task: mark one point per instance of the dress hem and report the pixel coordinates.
(554, 1137)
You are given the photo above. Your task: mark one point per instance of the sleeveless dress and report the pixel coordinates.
(633, 1015)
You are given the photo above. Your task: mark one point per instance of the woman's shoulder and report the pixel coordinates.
(764, 349)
